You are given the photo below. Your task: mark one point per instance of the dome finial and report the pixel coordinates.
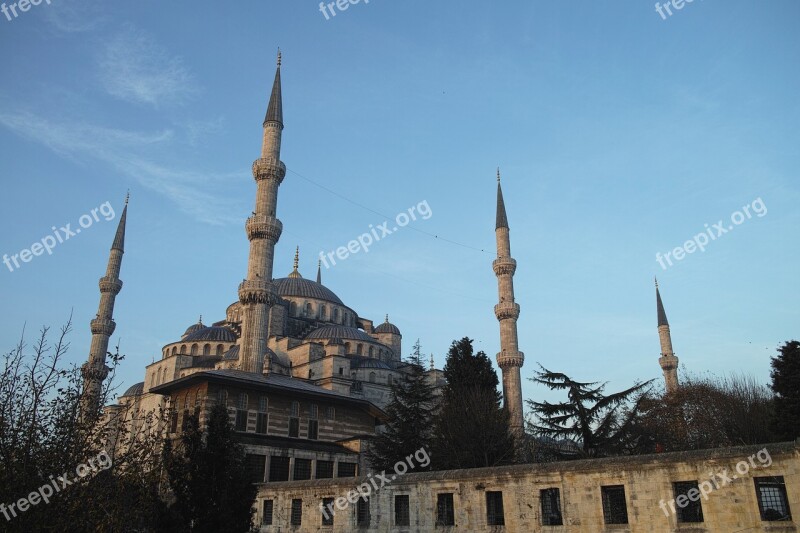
(200, 321)
(296, 273)
(387, 318)
(432, 366)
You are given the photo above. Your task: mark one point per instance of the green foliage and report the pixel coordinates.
(599, 423)
(786, 386)
(471, 429)
(209, 480)
(411, 412)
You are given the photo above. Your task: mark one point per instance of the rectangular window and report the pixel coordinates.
(330, 412)
(328, 510)
(296, 409)
(266, 515)
(296, 517)
(615, 509)
(494, 509)
(313, 429)
(173, 421)
(261, 423)
(241, 420)
(346, 470)
(278, 468)
(772, 501)
(302, 469)
(314, 411)
(324, 469)
(362, 512)
(445, 511)
(402, 512)
(294, 427)
(688, 508)
(551, 507)
(256, 465)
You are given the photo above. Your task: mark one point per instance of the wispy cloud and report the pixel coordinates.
(75, 17)
(126, 151)
(135, 68)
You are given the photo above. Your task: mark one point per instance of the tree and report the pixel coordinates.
(471, 429)
(43, 437)
(705, 412)
(410, 411)
(598, 422)
(786, 386)
(209, 480)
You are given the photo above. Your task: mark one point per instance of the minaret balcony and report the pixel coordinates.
(93, 373)
(257, 291)
(506, 310)
(504, 266)
(103, 326)
(264, 227)
(109, 284)
(269, 168)
(510, 359)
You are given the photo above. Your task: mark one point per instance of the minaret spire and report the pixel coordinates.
(668, 361)
(319, 271)
(256, 292)
(510, 359)
(95, 371)
(295, 273)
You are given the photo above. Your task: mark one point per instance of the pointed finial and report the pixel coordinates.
(319, 271)
(279, 56)
(432, 367)
(200, 321)
(498, 174)
(127, 196)
(296, 257)
(387, 318)
(656, 278)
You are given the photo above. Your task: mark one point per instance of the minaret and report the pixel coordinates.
(668, 361)
(510, 359)
(94, 371)
(256, 292)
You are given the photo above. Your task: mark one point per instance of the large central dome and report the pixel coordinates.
(298, 287)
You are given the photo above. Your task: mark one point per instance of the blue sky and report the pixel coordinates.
(619, 135)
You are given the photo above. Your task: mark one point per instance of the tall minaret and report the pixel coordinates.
(256, 292)
(668, 361)
(510, 359)
(94, 371)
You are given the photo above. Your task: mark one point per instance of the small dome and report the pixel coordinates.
(387, 327)
(339, 332)
(135, 390)
(232, 354)
(213, 333)
(367, 362)
(194, 328)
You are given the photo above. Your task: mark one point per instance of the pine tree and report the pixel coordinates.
(786, 386)
(471, 428)
(209, 479)
(589, 417)
(411, 415)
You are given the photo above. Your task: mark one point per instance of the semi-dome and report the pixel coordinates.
(388, 327)
(367, 362)
(212, 333)
(135, 390)
(232, 354)
(339, 332)
(305, 288)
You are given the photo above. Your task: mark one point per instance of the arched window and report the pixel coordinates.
(194, 349)
(335, 314)
(372, 377)
(322, 312)
(359, 349)
(207, 349)
(183, 348)
(222, 397)
(292, 309)
(309, 309)
(371, 351)
(220, 349)
(347, 347)
(158, 376)
(174, 350)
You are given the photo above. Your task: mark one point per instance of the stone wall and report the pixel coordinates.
(728, 505)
